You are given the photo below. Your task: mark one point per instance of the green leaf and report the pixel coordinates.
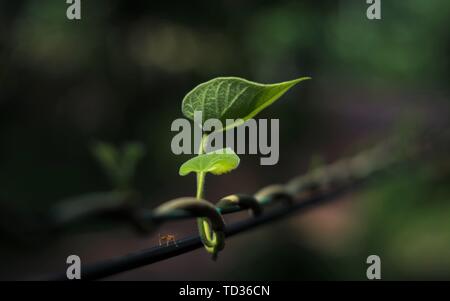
(233, 98)
(217, 162)
(107, 155)
(132, 153)
(119, 165)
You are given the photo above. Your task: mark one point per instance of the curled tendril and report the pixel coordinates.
(273, 193)
(195, 207)
(210, 221)
(302, 184)
(242, 201)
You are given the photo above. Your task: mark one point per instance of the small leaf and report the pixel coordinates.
(233, 98)
(132, 153)
(107, 155)
(119, 165)
(217, 162)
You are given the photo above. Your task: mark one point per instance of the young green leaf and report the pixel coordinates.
(233, 98)
(217, 163)
(108, 157)
(119, 165)
(132, 153)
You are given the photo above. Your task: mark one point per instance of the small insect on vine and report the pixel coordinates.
(223, 98)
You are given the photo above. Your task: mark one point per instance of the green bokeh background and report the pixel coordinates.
(120, 73)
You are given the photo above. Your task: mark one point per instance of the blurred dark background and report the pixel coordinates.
(119, 75)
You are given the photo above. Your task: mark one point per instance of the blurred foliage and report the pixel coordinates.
(119, 165)
(410, 44)
(408, 222)
(120, 73)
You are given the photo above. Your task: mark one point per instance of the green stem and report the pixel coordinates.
(209, 239)
(200, 185)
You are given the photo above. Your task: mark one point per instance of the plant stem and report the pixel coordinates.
(208, 239)
(201, 175)
(200, 185)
